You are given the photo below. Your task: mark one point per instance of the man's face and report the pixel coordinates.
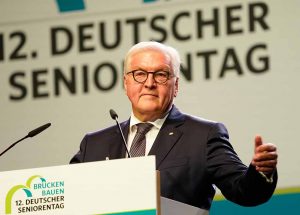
(150, 100)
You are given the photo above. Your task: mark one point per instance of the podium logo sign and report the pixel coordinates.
(80, 189)
(36, 195)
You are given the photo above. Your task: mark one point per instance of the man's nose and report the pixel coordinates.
(150, 82)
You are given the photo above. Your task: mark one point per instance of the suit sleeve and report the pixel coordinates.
(238, 183)
(79, 156)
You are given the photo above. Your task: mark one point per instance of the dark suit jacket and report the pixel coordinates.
(192, 155)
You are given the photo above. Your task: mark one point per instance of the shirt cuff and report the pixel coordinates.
(268, 179)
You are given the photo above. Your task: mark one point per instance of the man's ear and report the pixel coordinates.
(125, 84)
(176, 87)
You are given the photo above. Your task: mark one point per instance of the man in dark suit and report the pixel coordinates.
(192, 154)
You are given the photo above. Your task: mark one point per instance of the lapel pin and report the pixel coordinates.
(171, 133)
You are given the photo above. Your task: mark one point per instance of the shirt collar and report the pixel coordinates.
(157, 123)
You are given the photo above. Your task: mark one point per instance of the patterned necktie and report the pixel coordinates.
(138, 146)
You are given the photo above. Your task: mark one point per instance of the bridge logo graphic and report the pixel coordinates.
(78, 5)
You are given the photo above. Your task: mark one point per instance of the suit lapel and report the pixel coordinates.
(168, 136)
(166, 139)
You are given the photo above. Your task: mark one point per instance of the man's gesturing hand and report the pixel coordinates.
(265, 156)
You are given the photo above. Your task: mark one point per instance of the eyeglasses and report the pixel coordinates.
(159, 77)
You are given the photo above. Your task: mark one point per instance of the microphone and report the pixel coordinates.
(114, 116)
(30, 134)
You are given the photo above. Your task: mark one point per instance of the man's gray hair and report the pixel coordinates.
(152, 45)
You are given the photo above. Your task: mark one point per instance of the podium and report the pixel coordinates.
(119, 187)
